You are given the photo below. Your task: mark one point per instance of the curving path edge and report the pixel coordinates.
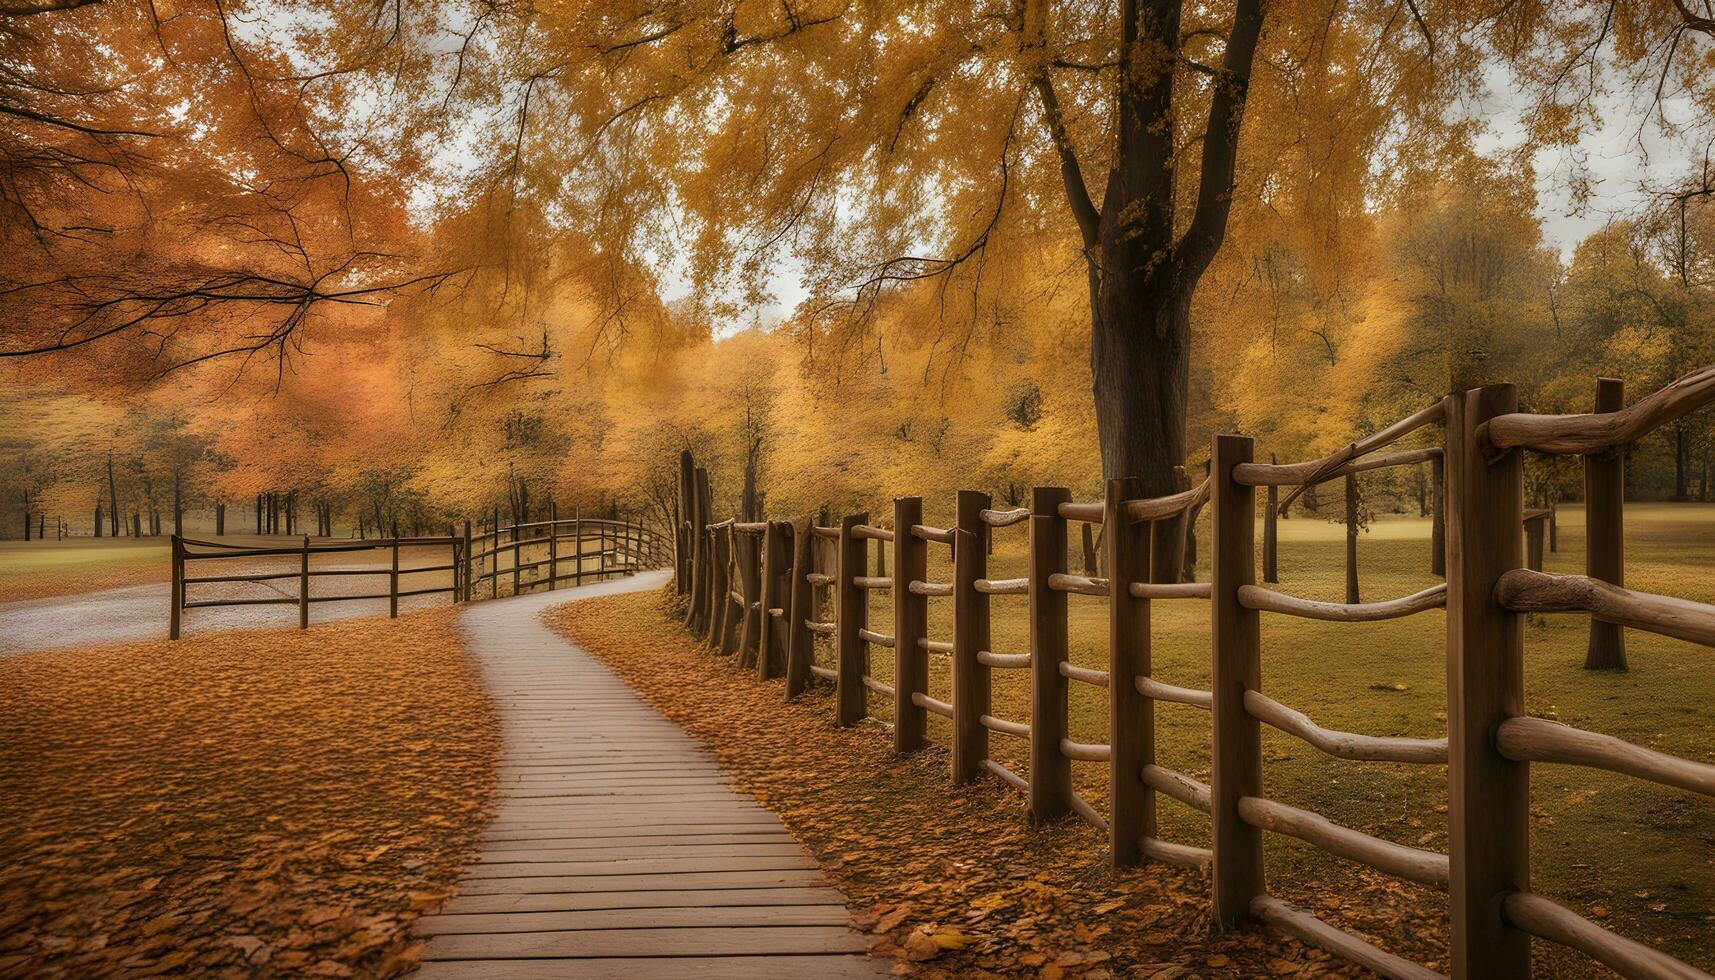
(617, 848)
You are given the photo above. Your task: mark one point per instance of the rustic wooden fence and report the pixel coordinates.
(528, 556)
(768, 590)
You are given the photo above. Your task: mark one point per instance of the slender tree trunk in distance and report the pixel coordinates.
(26, 515)
(98, 520)
(1351, 538)
(178, 501)
(1681, 464)
(112, 496)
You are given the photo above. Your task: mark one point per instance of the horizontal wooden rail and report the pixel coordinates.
(1594, 433)
(1085, 751)
(1179, 786)
(1523, 590)
(1344, 745)
(1003, 586)
(1090, 513)
(1291, 474)
(824, 629)
(819, 578)
(928, 703)
(944, 535)
(1526, 739)
(871, 532)
(749, 527)
(1083, 809)
(826, 533)
(930, 588)
(1004, 727)
(1155, 508)
(935, 646)
(879, 687)
(1315, 471)
(1005, 518)
(1155, 690)
(1268, 600)
(1087, 675)
(989, 658)
(1007, 776)
(206, 603)
(1178, 855)
(1547, 919)
(1304, 926)
(825, 673)
(879, 583)
(871, 636)
(1170, 590)
(1079, 584)
(209, 579)
(1410, 863)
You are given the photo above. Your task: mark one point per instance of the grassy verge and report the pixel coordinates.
(257, 803)
(37, 570)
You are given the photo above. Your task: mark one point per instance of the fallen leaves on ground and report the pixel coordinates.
(951, 881)
(239, 804)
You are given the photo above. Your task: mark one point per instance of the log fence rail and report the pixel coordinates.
(812, 586)
(620, 548)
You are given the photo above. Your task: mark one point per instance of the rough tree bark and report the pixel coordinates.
(1143, 271)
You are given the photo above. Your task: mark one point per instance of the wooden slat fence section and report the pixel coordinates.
(617, 848)
(622, 549)
(1491, 549)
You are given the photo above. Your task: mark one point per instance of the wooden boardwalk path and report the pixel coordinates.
(617, 849)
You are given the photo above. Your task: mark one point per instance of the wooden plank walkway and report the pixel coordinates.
(617, 849)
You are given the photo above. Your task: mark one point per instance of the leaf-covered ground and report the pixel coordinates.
(239, 804)
(949, 880)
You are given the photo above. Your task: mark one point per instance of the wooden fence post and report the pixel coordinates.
(800, 642)
(970, 635)
(711, 577)
(1050, 770)
(1237, 757)
(1438, 518)
(719, 584)
(469, 564)
(178, 588)
(553, 546)
(1605, 534)
(684, 547)
(776, 568)
(1533, 542)
(457, 562)
(747, 557)
(393, 580)
(304, 586)
(1488, 797)
(910, 627)
(1131, 716)
(851, 614)
(517, 557)
(697, 613)
(1351, 538)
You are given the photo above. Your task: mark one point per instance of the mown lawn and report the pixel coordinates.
(1638, 858)
(37, 569)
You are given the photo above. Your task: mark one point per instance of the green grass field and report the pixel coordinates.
(32, 570)
(1638, 858)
